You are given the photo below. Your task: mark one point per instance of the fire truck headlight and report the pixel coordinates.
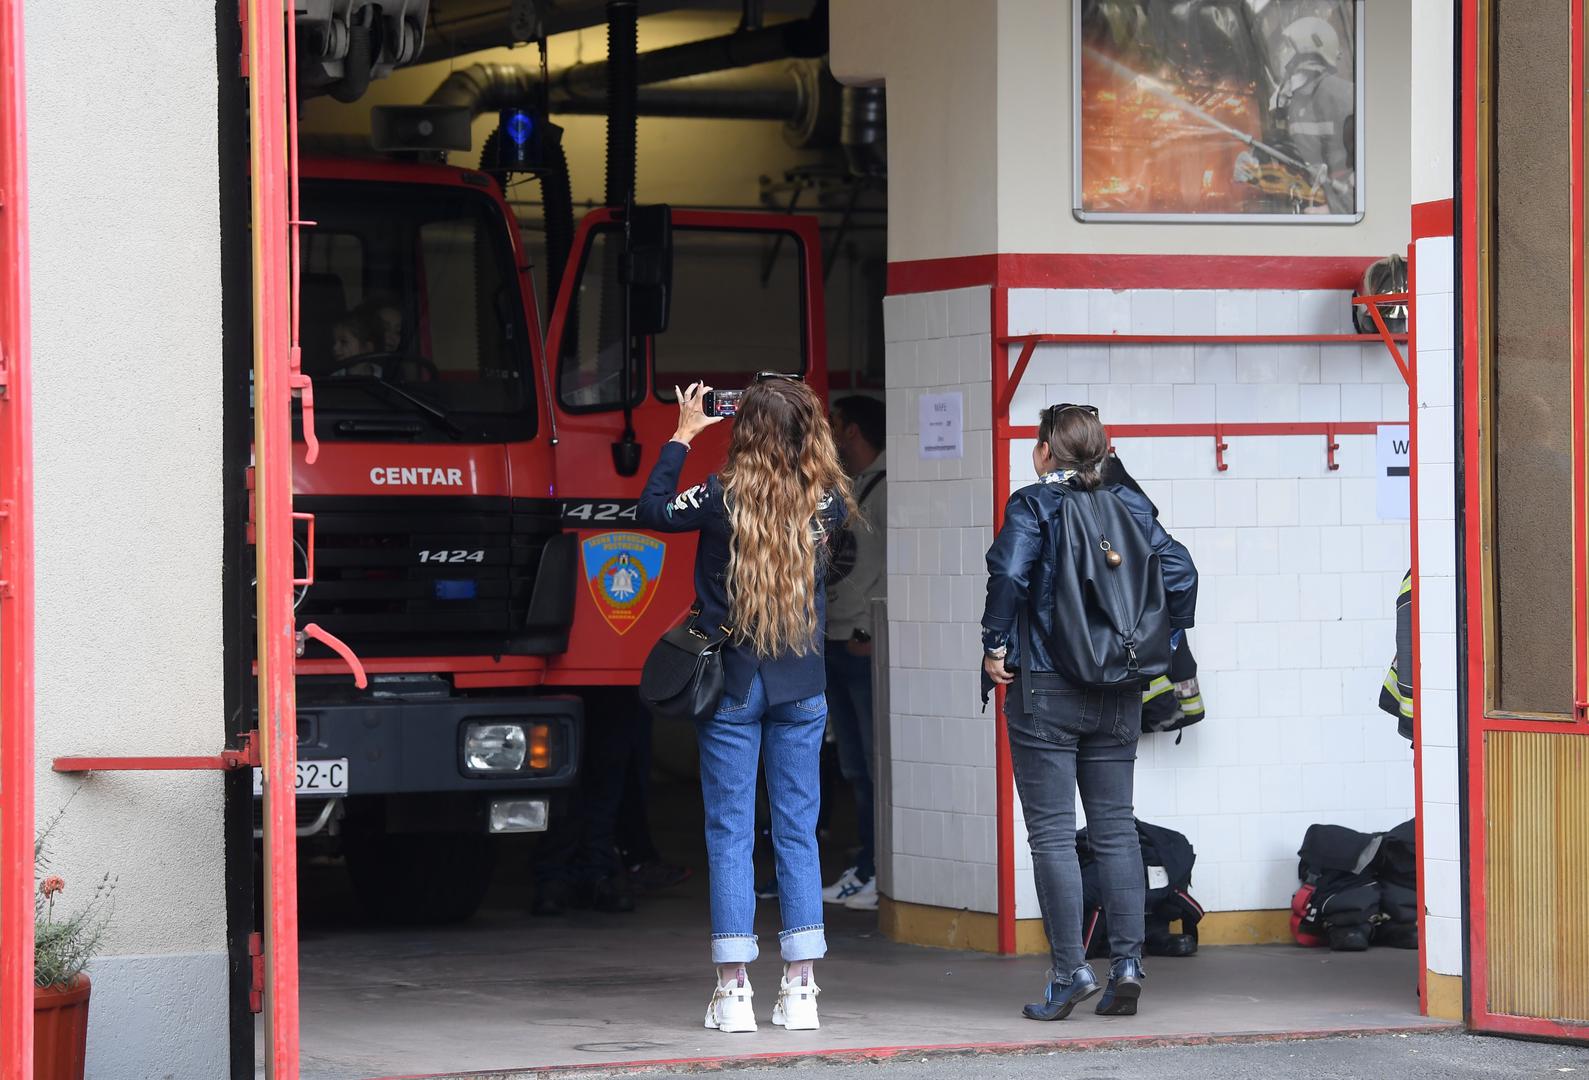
(498, 748)
(518, 815)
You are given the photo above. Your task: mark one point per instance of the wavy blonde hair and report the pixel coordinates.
(782, 464)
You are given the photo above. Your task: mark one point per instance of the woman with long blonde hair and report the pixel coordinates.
(765, 521)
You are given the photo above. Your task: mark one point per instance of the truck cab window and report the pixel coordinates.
(590, 369)
(738, 308)
(411, 292)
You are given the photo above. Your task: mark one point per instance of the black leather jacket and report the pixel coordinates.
(1017, 573)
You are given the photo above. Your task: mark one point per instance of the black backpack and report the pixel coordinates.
(1167, 860)
(1363, 886)
(1111, 624)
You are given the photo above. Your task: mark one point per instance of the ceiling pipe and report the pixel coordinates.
(466, 26)
(805, 38)
(800, 95)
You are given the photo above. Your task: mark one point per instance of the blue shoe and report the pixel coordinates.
(1125, 986)
(1061, 998)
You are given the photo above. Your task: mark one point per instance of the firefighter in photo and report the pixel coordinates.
(1318, 107)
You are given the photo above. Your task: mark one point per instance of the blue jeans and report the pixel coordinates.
(1080, 739)
(850, 707)
(787, 739)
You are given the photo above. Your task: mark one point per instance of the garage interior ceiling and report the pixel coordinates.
(459, 27)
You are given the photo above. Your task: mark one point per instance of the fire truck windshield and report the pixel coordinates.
(410, 308)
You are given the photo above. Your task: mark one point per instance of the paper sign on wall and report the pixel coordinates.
(1393, 468)
(941, 416)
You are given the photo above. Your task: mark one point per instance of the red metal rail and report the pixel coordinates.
(246, 756)
(1374, 303)
(16, 568)
(1030, 342)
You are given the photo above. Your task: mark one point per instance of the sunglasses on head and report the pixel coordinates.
(765, 376)
(1055, 410)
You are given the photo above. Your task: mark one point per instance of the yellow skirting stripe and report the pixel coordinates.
(1445, 996)
(949, 928)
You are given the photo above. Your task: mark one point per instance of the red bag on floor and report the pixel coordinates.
(1299, 910)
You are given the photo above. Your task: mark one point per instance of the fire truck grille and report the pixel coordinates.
(442, 576)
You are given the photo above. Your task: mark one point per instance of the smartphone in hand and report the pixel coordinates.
(721, 402)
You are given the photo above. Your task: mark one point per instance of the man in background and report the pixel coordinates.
(857, 575)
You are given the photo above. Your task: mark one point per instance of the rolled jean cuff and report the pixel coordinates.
(803, 943)
(734, 948)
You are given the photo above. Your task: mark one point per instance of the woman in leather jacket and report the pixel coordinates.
(1066, 738)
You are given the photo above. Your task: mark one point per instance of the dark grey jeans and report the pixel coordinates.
(1080, 740)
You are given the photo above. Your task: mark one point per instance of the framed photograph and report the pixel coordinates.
(1218, 111)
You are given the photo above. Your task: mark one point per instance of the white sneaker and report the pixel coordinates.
(844, 888)
(864, 898)
(730, 1008)
(796, 1008)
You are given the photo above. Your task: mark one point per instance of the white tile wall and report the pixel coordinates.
(1299, 575)
(1436, 678)
(940, 524)
(1296, 621)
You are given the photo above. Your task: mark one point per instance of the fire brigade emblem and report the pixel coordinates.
(622, 570)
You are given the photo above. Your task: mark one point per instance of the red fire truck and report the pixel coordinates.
(473, 539)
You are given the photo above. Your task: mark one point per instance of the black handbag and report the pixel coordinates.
(683, 677)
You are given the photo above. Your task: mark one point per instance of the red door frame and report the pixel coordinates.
(16, 567)
(1478, 717)
(269, 150)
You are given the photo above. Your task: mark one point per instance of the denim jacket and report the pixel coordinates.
(1017, 574)
(789, 676)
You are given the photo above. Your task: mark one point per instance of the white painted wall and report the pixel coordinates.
(1434, 112)
(127, 400)
(1437, 372)
(980, 149)
(939, 60)
(1035, 152)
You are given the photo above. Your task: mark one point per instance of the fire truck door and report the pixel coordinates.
(746, 297)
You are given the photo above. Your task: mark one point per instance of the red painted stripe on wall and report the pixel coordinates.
(1097, 271)
(1435, 218)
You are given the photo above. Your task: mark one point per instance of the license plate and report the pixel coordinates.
(319, 777)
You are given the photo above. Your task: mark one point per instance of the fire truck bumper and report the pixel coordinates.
(482, 745)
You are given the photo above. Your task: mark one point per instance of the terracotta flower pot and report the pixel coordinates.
(60, 1030)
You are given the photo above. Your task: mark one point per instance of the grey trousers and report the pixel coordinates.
(1080, 740)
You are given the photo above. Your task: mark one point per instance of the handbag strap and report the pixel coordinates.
(695, 613)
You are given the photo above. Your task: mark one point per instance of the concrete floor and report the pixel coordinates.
(510, 992)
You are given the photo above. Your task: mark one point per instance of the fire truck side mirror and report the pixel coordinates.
(648, 268)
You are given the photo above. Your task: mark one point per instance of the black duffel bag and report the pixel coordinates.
(1167, 861)
(683, 677)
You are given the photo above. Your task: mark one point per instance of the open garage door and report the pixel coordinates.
(1523, 490)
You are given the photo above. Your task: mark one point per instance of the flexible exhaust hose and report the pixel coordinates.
(622, 89)
(357, 65)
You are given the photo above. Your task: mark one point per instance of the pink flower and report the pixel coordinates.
(52, 885)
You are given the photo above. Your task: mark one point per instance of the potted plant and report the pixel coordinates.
(64, 941)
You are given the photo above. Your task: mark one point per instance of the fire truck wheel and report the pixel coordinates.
(423, 878)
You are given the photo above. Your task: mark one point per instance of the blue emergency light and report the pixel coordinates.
(525, 141)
